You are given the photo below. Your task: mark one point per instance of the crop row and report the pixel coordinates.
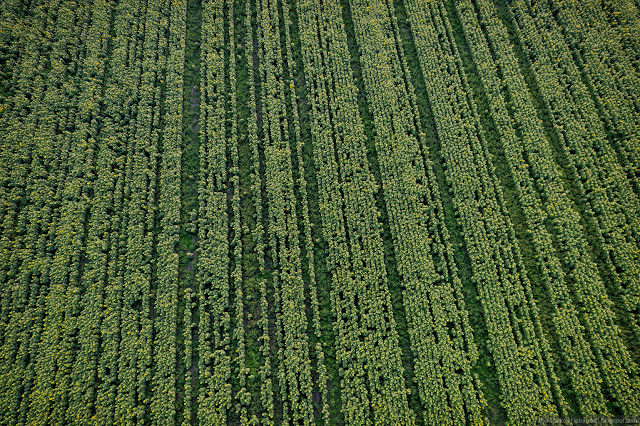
(520, 350)
(583, 319)
(91, 199)
(82, 349)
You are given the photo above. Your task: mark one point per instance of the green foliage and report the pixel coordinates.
(314, 212)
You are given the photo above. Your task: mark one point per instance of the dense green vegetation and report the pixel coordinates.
(319, 212)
